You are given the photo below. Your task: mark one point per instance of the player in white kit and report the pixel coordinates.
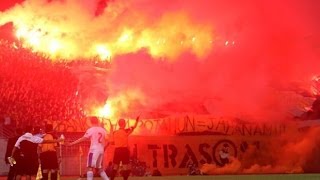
(97, 136)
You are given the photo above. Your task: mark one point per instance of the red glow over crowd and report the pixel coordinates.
(211, 79)
(33, 89)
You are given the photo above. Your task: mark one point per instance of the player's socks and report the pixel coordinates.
(104, 175)
(89, 175)
(44, 176)
(54, 175)
(126, 174)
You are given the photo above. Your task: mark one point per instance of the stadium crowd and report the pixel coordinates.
(33, 89)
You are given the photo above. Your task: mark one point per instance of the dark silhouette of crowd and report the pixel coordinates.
(34, 89)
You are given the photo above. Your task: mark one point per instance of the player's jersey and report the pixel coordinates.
(97, 137)
(28, 137)
(121, 137)
(48, 146)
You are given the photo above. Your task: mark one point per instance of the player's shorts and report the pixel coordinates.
(49, 160)
(27, 166)
(121, 154)
(95, 159)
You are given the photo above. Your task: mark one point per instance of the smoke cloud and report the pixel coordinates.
(219, 57)
(292, 153)
(259, 63)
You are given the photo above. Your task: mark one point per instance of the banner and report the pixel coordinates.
(188, 124)
(172, 155)
(171, 145)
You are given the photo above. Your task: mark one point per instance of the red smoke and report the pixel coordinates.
(290, 154)
(258, 49)
(269, 54)
(236, 58)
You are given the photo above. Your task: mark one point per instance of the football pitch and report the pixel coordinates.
(217, 177)
(222, 177)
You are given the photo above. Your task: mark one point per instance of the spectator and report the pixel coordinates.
(31, 86)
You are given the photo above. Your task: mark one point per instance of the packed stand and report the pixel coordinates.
(33, 89)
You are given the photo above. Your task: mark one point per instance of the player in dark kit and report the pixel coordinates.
(28, 145)
(10, 145)
(49, 155)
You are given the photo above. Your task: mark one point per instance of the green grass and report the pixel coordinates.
(223, 177)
